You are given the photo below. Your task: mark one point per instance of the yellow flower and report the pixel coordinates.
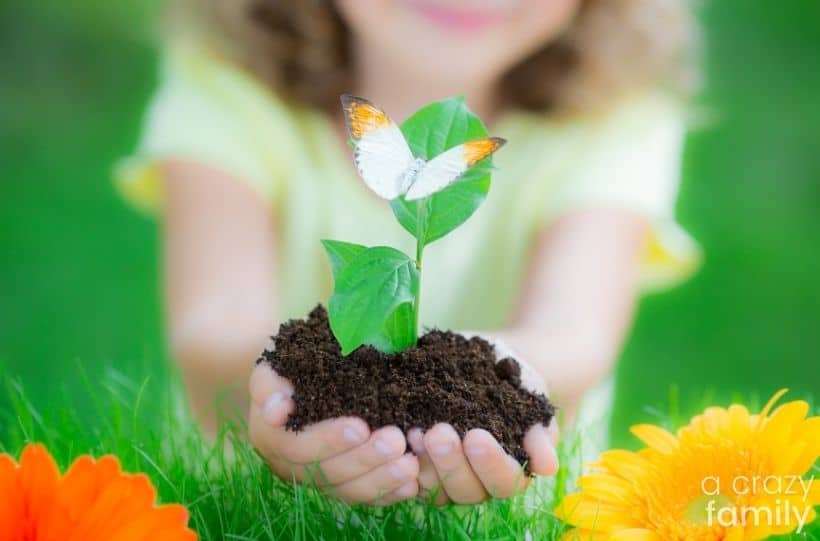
(727, 475)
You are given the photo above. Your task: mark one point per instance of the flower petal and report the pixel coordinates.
(166, 523)
(735, 533)
(635, 534)
(715, 421)
(607, 488)
(814, 492)
(739, 422)
(589, 514)
(96, 501)
(809, 433)
(779, 427)
(39, 476)
(764, 413)
(11, 511)
(656, 437)
(631, 466)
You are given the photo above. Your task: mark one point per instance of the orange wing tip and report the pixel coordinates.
(361, 116)
(475, 151)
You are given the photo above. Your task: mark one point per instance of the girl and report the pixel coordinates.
(243, 151)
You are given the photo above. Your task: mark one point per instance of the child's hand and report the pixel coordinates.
(341, 456)
(475, 468)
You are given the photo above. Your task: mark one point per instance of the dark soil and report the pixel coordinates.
(444, 378)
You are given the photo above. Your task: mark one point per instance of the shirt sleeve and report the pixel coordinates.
(632, 160)
(211, 112)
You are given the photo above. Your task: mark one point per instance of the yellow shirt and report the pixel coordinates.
(215, 113)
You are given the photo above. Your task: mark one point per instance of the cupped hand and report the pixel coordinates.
(475, 468)
(340, 456)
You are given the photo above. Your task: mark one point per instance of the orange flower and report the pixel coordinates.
(94, 501)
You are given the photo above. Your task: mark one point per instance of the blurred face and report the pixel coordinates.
(458, 42)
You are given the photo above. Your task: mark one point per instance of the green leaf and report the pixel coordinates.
(400, 329)
(368, 290)
(429, 132)
(340, 254)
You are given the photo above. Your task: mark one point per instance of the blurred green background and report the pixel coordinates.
(79, 289)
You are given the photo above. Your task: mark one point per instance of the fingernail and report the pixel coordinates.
(441, 448)
(272, 404)
(475, 451)
(416, 443)
(353, 436)
(382, 447)
(396, 472)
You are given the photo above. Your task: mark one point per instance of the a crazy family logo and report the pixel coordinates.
(783, 500)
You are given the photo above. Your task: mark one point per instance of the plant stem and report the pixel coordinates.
(421, 233)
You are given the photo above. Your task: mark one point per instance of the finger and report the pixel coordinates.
(405, 492)
(287, 471)
(315, 443)
(376, 484)
(262, 425)
(264, 381)
(384, 445)
(274, 413)
(457, 477)
(501, 475)
(430, 487)
(272, 394)
(538, 444)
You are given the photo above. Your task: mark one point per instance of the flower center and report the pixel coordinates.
(703, 509)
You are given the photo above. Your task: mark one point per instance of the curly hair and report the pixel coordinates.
(613, 48)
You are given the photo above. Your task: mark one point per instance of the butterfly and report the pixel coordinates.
(387, 165)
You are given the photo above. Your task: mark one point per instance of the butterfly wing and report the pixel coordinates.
(450, 165)
(382, 156)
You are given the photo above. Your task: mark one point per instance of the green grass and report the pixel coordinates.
(232, 496)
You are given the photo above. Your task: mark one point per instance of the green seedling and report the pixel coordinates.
(434, 170)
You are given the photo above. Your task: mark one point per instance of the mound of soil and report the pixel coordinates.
(444, 378)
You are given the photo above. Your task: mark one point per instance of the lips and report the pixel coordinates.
(455, 19)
